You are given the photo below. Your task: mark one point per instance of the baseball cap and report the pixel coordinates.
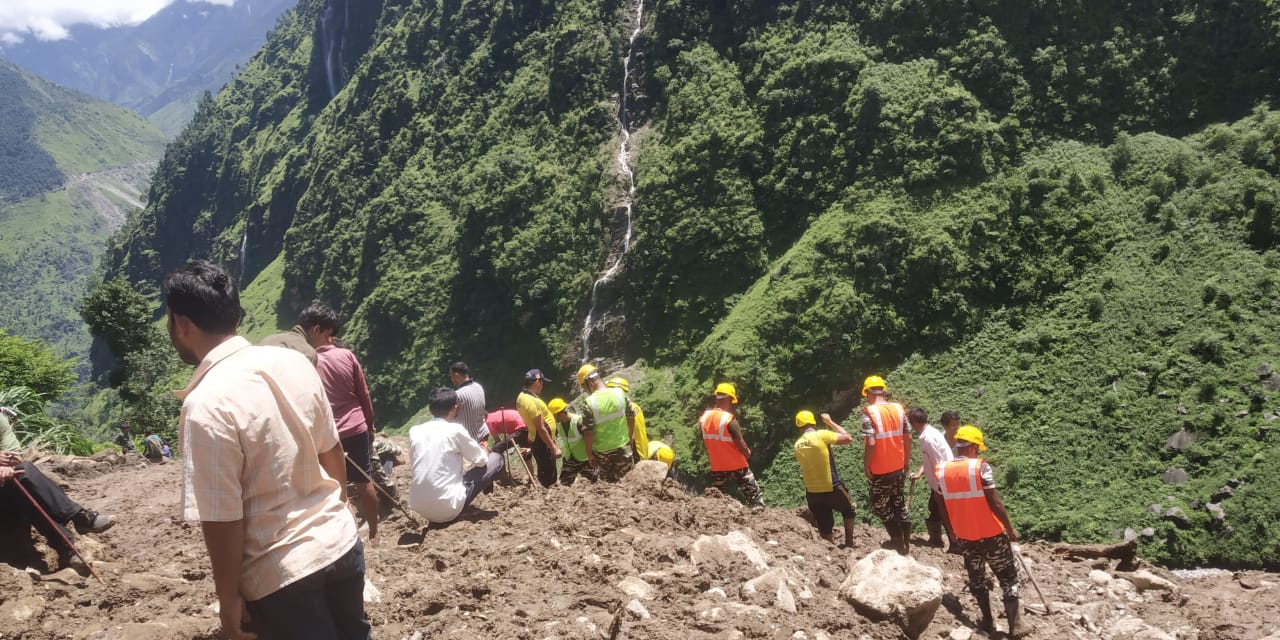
(534, 375)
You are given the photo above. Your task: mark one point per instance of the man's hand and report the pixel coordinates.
(8, 472)
(591, 459)
(232, 614)
(555, 451)
(917, 475)
(1013, 534)
(10, 459)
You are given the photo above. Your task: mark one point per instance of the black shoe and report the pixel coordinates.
(71, 559)
(91, 522)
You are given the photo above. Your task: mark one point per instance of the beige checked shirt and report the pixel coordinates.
(254, 420)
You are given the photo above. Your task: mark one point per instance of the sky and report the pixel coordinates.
(51, 19)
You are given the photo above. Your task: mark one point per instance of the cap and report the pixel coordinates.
(533, 375)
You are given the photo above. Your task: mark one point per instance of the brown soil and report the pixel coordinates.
(533, 564)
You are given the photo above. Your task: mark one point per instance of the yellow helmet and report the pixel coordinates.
(728, 390)
(805, 419)
(557, 405)
(666, 456)
(585, 372)
(971, 434)
(618, 382)
(872, 382)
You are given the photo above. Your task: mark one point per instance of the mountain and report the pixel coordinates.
(159, 67)
(71, 170)
(1056, 218)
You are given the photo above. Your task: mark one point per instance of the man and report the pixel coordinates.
(950, 423)
(982, 525)
(641, 440)
(662, 452)
(727, 451)
(348, 394)
(440, 450)
(933, 450)
(263, 472)
(125, 439)
(886, 450)
(541, 426)
(295, 339)
(575, 461)
(471, 410)
(608, 426)
(17, 507)
(823, 489)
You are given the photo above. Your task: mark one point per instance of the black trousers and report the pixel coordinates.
(546, 463)
(50, 498)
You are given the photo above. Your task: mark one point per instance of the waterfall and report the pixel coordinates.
(244, 251)
(614, 262)
(333, 39)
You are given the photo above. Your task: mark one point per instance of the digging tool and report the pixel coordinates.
(1032, 578)
(408, 514)
(911, 494)
(58, 529)
(516, 447)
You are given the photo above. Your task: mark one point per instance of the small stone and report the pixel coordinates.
(1174, 475)
(1223, 493)
(1176, 516)
(799, 635)
(1182, 410)
(960, 633)
(637, 609)
(1234, 483)
(1216, 511)
(1148, 533)
(715, 592)
(1155, 508)
(1242, 413)
(635, 587)
(1099, 578)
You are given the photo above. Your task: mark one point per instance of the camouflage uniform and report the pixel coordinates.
(997, 552)
(888, 500)
(746, 483)
(571, 469)
(613, 465)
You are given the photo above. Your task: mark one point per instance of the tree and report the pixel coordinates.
(30, 364)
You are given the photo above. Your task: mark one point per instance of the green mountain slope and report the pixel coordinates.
(74, 168)
(822, 192)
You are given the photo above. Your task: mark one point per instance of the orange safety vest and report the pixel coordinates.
(721, 449)
(888, 455)
(967, 507)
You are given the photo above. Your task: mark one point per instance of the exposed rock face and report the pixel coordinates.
(1181, 440)
(887, 586)
(1174, 475)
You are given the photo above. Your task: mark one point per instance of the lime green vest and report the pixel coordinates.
(609, 408)
(571, 439)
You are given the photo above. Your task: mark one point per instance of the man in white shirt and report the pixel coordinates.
(933, 449)
(440, 451)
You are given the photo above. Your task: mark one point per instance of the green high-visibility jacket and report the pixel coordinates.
(609, 409)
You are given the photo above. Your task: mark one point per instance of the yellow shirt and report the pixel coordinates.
(530, 407)
(817, 465)
(642, 436)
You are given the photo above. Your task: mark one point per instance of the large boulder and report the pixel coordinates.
(886, 586)
(646, 473)
(727, 549)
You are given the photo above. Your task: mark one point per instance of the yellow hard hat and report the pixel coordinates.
(872, 382)
(666, 456)
(618, 382)
(728, 390)
(972, 435)
(584, 372)
(557, 405)
(805, 419)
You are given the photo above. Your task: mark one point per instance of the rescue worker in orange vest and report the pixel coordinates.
(823, 490)
(982, 526)
(886, 450)
(726, 450)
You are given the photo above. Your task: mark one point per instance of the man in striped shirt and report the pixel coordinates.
(471, 411)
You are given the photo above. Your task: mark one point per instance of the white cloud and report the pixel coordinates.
(51, 19)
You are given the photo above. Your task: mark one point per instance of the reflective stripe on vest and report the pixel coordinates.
(621, 413)
(966, 501)
(889, 454)
(722, 451)
(611, 428)
(571, 439)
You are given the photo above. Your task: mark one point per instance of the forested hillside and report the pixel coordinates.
(70, 168)
(1058, 218)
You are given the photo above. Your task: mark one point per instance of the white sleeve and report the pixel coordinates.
(473, 455)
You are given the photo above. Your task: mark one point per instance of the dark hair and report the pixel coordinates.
(950, 416)
(204, 293)
(459, 368)
(917, 416)
(442, 401)
(319, 314)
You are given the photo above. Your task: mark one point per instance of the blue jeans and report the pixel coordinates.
(326, 605)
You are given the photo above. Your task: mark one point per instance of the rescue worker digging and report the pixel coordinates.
(640, 435)
(575, 461)
(726, 450)
(982, 526)
(886, 452)
(823, 490)
(608, 426)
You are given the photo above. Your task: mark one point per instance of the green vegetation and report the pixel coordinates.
(1056, 218)
(30, 376)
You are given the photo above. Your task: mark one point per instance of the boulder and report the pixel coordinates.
(1222, 493)
(1146, 581)
(777, 588)
(1174, 475)
(1099, 578)
(1176, 516)
(716, 550)
(1129, 628)
(886, 586)
(16, 611)
(1181, 440)
(1148, 533)
(1271, 382)
(635, 587)
(1216, 511)
(646, 473)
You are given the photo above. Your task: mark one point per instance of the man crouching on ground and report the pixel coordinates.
(439, 450)
(263, 473)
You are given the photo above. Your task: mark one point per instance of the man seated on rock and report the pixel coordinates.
(449, 467)
(16, 507)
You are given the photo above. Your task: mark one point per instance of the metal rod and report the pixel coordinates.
(58, 529)
(390, 497)
(1031, 577)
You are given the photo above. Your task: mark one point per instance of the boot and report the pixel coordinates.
(904, 538)
(935, 533)
(987, 623)
(1018, 626)
(87, 521)
(829, 537)
(848, 536)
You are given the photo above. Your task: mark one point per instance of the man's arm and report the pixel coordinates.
(844, 438)
(362, 393)
(544, 434)
(997, 507)
(589, 440)
(334, 462)
(7, 473)
(736, 431)
(225, 542)
(868, 442)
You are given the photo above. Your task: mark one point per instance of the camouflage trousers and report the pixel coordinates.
(612, 465)
(746, 483)
(996, 552)
(571, 469)
(888, 500)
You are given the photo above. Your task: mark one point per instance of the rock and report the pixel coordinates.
(1155, 508)
(1181, 440)
(960, 633)
(714, 550)
(887, 586)
(715, 592)
(1182, 410)
(65, 576)
(1222, 494)
(1235, 483)
(1176, 516)
(1174, 475)
(20, 610)
(1099, 578)
(1129, 628)
(636, 608)
(1216, 511)
(635, 587)
(1264, 370)
(1129, 534)
(1241, 413)
(1148, 533)
(371, 592)
(1146, 581)
(149, 582)
(646, 473)
(775, 584)
(1271, 382)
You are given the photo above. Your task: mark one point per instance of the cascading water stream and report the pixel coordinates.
(614, 263)
(244, 251)
(333, 38)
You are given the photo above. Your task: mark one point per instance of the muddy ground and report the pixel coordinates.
(589, 561)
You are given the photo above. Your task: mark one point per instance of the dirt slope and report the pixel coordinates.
(570, 563)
